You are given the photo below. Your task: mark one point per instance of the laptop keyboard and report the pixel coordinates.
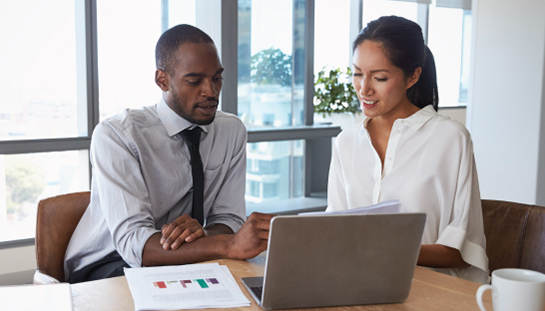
(258, 291)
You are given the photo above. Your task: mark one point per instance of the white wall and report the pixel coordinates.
(506, 98)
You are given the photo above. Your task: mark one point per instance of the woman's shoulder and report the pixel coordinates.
(449, 128)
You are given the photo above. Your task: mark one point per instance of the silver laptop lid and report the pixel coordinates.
(335, 260)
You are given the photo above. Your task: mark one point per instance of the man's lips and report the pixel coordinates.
(207, 105)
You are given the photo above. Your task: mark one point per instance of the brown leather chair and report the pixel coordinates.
(515, 235)
(56, 221)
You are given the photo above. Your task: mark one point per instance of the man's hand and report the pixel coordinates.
(252, 237)
(183, 229)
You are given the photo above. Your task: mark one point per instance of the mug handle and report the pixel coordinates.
(480, 293)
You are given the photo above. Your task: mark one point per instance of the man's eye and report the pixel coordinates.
(193, 82)
(218, 79)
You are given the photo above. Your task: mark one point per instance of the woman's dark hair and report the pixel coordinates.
(170, 40)
(403, 44)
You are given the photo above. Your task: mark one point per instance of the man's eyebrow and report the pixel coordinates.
(200, 74)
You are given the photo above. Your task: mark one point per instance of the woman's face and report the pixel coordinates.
(381, 86)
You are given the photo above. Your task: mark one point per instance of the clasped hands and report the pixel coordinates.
(252, 236)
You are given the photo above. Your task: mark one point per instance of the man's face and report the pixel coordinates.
(193, 89)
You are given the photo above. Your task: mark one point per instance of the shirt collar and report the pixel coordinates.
(173, 123)
(415, 121)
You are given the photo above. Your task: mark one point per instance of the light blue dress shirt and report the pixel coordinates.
(142, 180)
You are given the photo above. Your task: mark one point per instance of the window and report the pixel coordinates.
(271, 94)
(43, 109)
(270, 60)
(127, 33)
(332, 42)
(450, 44)
(96, 58)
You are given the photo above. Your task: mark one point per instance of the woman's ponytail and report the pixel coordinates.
(424, 91)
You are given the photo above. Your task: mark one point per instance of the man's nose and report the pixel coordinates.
(209, 89)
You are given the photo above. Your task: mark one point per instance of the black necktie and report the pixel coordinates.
(193, 139)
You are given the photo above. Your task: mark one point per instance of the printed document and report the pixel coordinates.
(387, 207)
(195, 286)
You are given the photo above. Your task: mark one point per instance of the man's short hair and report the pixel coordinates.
(170, 40)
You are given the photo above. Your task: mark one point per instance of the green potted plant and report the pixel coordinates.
(334, 97)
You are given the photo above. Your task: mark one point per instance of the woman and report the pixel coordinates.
(404, 150)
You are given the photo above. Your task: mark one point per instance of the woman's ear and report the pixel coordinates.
(162, 79)
(414, 78)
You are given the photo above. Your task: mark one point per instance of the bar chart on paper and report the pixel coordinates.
(189, 284)
(206, 285)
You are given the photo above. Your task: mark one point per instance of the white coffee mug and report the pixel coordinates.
(515, 289)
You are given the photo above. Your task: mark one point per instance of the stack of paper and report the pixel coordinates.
(196, 286)
(387, 207)
(54, 297)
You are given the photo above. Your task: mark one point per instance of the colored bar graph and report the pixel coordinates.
(202, 283)
(184, 282)
(160, 284)
(213, 281)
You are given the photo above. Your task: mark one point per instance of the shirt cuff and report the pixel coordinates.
(471, 253)
(230, 221)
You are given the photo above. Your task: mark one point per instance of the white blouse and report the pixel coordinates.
(429, 166)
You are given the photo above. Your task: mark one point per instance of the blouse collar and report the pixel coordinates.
(415, 121)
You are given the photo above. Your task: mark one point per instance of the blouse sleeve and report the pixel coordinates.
(465, 230)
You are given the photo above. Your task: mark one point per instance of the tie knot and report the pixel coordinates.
(192, 137)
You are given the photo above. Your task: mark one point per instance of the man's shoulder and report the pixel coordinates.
(144, 117)
(228, 121)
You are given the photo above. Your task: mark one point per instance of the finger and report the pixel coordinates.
(179, 230)
(181, 238)
(263, 235)
(195, 235)
(169, 228)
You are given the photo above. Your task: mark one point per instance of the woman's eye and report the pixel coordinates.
(356, 74)
(381, 79)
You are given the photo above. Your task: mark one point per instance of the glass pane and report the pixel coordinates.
(449, 39)
(127, 35)
(373, 9)
(28, 178)
(270, 62)
(39, 76)
(331, 34)
(274, 171)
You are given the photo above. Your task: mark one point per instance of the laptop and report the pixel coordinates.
(338, 260)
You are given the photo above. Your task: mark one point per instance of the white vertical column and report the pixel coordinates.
(506, 100)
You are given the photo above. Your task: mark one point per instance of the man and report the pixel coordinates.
(142, 195)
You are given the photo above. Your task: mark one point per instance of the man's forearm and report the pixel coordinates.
(203, 249)
(218, 229)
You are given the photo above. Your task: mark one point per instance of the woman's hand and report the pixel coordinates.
(182, 230)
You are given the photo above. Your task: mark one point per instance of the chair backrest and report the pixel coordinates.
(56, 221)
(515, 235)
